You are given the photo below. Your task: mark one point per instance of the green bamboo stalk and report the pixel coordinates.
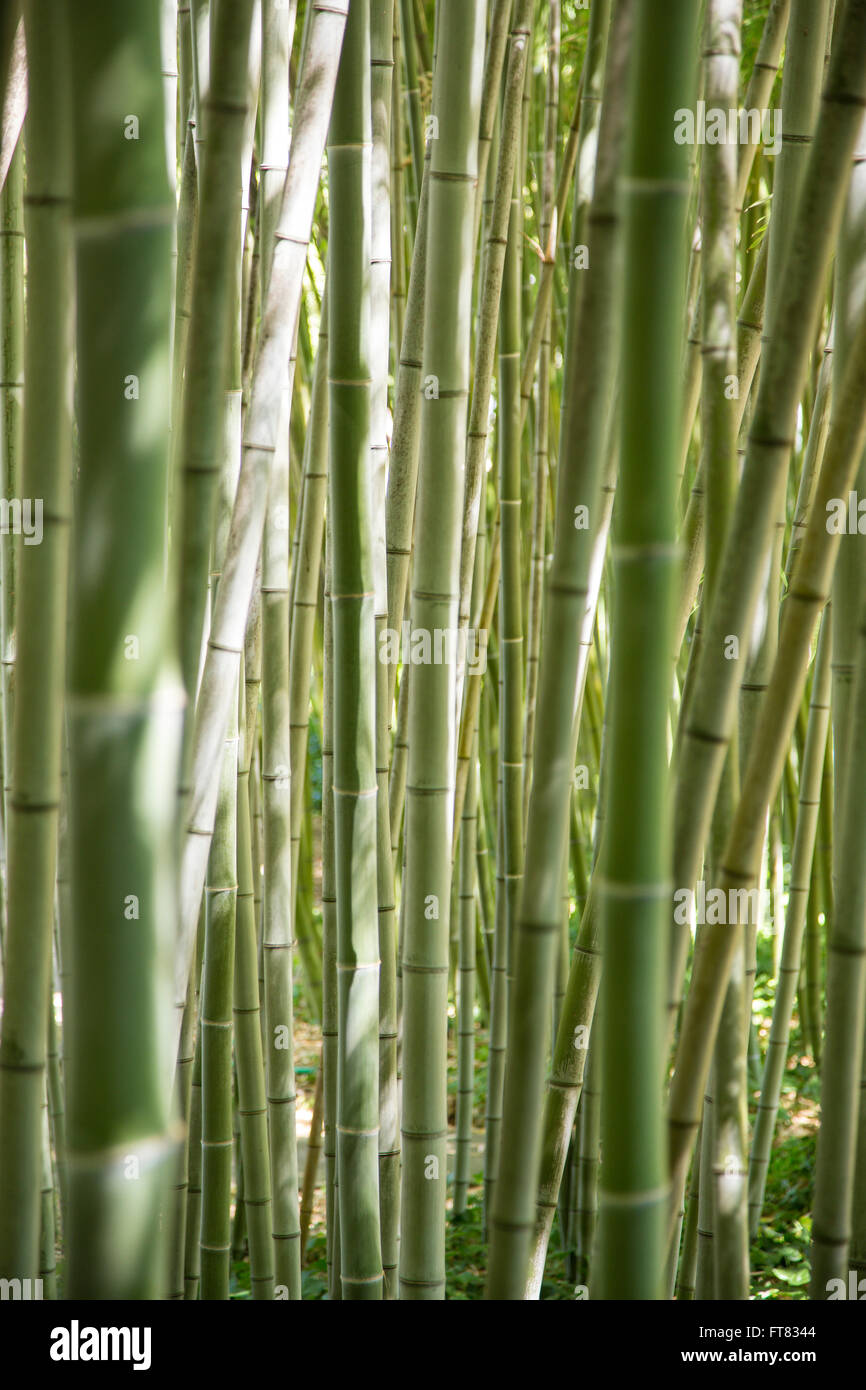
(239, 1244)
(498, 1018)
(587, 1159)
(846, 1012)
(398, 202)
(169, 51)
(216, 1031)
(580, 132)
(511, 577)
(724, 1195)
(277, 920)
(824, 896)
(499, 239)
(756, 98)
(406, 434)
(184, 76)
(277, 771)
(466, 999)
(56, 1101)
(252, 1105)
(182, 1108)
(510, 597)
(330, 1008)
(313, 1159)
(801, 866)
(252, 738)
(381, 69)
(278, 24)
(422, 38)
(192, 1232)
(413, 107)
(123, 688)
(33, 757)
(542, 418)
(13, 76)
(352, 606)
(802, 78)
(848, 575)
(635, 851)
(490, 115)
(818, 426)
(47, 1232)
(221, 1122)
(187, 212)
(432, 738)
(224, 113)
(11, 396)
(685, 1276)
(801, 82)
(200, 53)
(306, 567)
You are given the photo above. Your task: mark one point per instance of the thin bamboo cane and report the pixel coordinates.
(47, 1232)
(685, 1274)
(182, 1108)
(846, 1011)
(305, 579)
(498, 240)
(330, 1010)
(277, 772)
(587, 1159)
(252, 1105)
(399, 240)
(13, 74)
(224, 112)
(724, 1194)
(312, 1163)
(11, 396)
(33, 756)
(413, 106)
(466, 999)
(56, 1100)
(192, 1231)
(352, 607)
(381, 48)
(802, 857)
(542, 423)
(432, 737)
(216, 1031)
(848, 576)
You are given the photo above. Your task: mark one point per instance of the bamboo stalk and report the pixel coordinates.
(33, 756)
(432, 737)
(123, 690)
(634, 856)
(353, 616)
(803, 851)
